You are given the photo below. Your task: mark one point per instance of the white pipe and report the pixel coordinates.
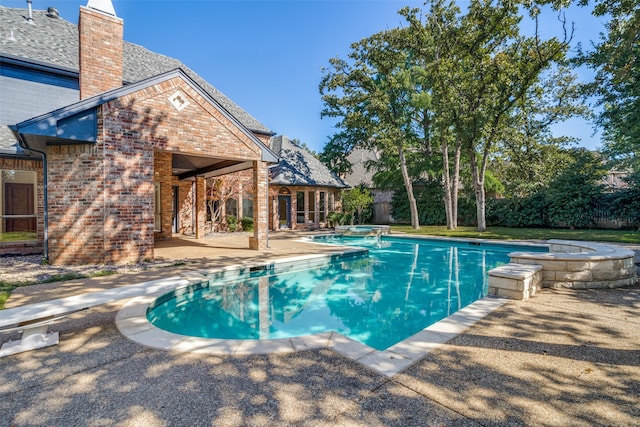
(30, 14)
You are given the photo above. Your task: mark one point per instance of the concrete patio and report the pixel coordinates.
(563, 357)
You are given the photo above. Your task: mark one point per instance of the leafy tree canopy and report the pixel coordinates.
(617, 81)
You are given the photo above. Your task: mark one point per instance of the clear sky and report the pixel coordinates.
(267, 56)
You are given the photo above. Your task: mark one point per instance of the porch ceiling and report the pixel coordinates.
(187, 167)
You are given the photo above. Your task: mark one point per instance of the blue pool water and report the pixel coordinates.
(400, 287)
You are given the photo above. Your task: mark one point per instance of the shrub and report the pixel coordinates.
(338, 218)
(232, 223)
(518, 212)
(247, 223)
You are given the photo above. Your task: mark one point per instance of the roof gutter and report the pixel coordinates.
(45, 191)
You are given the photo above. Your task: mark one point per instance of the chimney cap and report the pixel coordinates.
(104, 6)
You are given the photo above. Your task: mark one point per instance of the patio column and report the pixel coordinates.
(200, 208)
(260, 207)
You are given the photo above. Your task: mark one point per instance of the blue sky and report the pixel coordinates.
(267, 56)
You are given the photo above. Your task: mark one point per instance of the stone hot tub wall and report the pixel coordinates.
(582, 265)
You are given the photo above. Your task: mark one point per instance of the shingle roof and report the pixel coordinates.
(299, 167)
(54, 42)
(9, 145)
(359, 173)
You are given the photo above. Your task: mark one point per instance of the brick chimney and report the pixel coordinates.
(101, 41)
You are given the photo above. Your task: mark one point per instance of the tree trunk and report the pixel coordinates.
(451, 185)
(446, 183)
(455, 185)
(413, 206)
(478, 188)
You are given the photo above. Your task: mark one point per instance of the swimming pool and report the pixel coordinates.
(398, 288)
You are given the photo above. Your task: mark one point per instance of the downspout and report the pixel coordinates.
(45, 193)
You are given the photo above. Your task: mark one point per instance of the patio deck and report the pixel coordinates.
(564, 357)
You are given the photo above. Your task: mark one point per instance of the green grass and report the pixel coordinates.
(6, 287)
(17, 236)
(504, 233)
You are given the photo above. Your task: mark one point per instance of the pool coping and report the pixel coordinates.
(132, 322)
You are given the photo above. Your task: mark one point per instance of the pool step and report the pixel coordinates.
(515, 281)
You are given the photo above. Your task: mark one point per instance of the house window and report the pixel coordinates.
(300, 207)
(231, 208)
(312, 207)
(247, 206)
(18, 205)
(157, 208)
(322, 206)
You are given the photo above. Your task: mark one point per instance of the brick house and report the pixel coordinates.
(303, 191)
(105, 146)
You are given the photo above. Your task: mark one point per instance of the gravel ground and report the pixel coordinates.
(31, 268)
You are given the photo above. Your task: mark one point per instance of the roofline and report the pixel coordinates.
(4, 154)
(306, 184)
(114, 94)
(39, 65)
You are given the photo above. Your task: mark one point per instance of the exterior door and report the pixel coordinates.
(18, 200)
(284, 211)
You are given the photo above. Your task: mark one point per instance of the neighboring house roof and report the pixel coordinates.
(297, 166)
(53, 42)
(359, 173)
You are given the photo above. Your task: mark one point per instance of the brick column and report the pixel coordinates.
(260, 208)
(201, 208)
(162, 174)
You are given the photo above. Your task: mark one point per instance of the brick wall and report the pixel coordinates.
(76, 204)
(101, 46)
(200, 208)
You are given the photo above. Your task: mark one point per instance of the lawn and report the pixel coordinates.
(504, 233)
(15, 236)
(6, 286)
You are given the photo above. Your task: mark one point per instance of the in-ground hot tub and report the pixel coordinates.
(363, 230)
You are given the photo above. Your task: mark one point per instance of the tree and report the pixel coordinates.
(358, 199)
(335, 152)
(445, 91)
(487, 69)
(573, 194)
(372, 94)
(304, 146)
(616, 84)
(221, 189)
(530, 156)
(627, 200)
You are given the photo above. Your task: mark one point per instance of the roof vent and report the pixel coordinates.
(52, 12)
(30, 15)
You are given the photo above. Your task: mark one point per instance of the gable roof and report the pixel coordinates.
(297, 166)
(76, 123)
(53, 42)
